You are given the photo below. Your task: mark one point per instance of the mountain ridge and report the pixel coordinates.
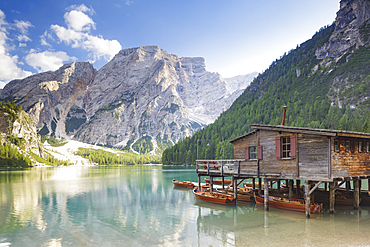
(143, 98)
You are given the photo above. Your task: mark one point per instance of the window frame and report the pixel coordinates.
(360, 147)
(336, 146)
(253, 153)
(348, 146)
(285, 143)
(367, 147)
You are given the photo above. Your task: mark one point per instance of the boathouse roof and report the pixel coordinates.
(312, 131)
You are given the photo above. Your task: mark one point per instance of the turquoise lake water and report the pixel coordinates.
(138, 206)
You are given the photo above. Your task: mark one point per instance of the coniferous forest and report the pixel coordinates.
(294, 80)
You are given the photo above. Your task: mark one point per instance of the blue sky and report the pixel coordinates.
(235, 37)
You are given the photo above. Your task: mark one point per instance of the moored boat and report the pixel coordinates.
(183, 184)
(285, 203)
(219, 198)
(218, 181)
(242, 195)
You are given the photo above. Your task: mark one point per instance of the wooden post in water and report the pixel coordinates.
(331, 197)
(356, 194)
(368, 184)
(266, 194)
(307, 198)
(298, 191)
(348, 186)
(211, 184)
(254, 184)
(235, 185)
(278, 186)
(259, 186)
(290, 189)
(199, 187)
(223, 182)
(326, 186)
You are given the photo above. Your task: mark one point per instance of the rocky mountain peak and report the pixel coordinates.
(143, 99)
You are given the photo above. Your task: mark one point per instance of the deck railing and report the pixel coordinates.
(219, 167)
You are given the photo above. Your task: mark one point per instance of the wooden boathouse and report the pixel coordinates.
(276, 153)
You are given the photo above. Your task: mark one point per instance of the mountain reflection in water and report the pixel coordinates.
(138, 206)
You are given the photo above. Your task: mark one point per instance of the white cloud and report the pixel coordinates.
(22, 45)
(9, 69)
(23, 26)
(23, 37)
(47, 60)
(78, 21)
(77, 34)
(81, 8)
(128, 2)
(45, 36)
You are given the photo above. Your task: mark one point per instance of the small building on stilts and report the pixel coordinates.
(317, 156)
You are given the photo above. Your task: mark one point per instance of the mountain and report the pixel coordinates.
(144, 99)
(324, 82)
(18, 137)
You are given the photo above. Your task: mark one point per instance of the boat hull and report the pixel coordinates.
(215, 197)
(295, 206)
(183, 184)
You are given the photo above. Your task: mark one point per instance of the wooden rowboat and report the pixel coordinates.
(285, 203)
(243, 194)
(218, 198)
(218, 181)
(183, 184)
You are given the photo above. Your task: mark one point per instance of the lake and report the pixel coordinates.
(138, 206)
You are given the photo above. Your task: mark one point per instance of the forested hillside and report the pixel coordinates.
(300, 81)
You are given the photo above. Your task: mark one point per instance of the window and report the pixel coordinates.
(347, 146)
(285, 144)
(367, 147)
(285, 147)
(336, 146)
(360, 146)
(253, 153)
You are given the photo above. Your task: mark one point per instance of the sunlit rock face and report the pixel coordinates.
(143, 93)
(352, 27)
(351, 34)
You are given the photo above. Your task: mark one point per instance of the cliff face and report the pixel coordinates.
(351, 29)
(143, 96)
(348, 50)
(17, 127)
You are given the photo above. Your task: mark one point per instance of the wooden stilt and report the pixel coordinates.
(307, 198)
(356, 194)
(253, 184)
(368, 184)
(235, 185)
(259, 186)
(326, 187)
(331, 197)
(348, 186)
(223, 182)
(290, 189)
(199, 186)
(266, 194)
(298, 191)
(278, 186)
(211, 185)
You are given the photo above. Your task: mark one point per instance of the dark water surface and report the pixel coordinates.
(138, 206)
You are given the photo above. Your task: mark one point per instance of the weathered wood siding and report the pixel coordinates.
(353, 162)
(313, 156)
(287, 168)
(248, 166)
